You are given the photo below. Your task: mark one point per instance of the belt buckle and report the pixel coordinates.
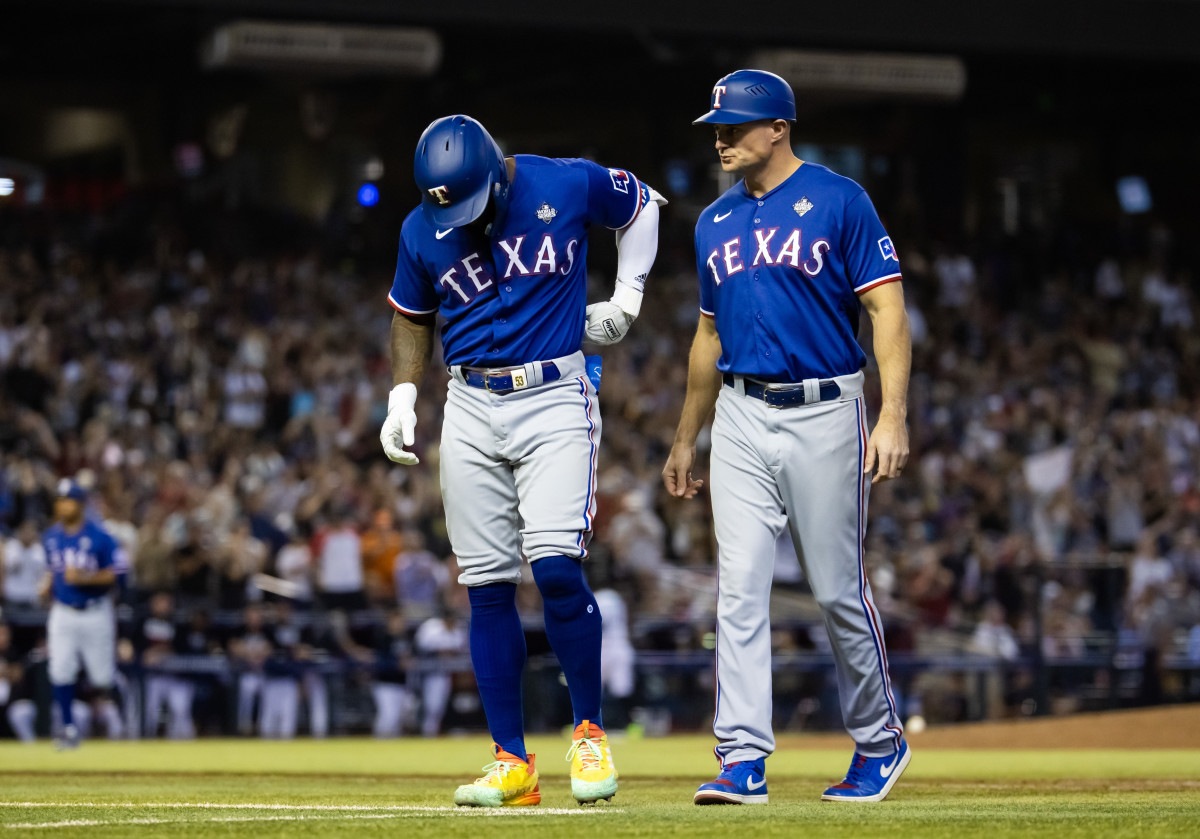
(782, 390)
(487, 382)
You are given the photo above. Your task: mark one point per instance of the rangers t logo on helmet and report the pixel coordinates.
(460, 171)
(750, 95)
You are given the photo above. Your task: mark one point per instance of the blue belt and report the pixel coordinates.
(83, 607)
(784, 396)
(507, 379)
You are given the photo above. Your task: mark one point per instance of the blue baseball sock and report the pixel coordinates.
(498, 653)
(573, 629)
(64, 697)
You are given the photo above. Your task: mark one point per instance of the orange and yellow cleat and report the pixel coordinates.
(508, 781)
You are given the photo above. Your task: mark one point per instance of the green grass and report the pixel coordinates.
(365, 788)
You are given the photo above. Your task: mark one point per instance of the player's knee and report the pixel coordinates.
(492, 597)
(559, 577)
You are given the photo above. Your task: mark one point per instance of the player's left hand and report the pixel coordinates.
(607, 323)
(887, 449)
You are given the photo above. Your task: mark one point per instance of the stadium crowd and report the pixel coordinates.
(224, 409)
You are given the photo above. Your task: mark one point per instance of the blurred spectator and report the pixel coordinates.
(1148, 568)
(420, 577)
(381, 544)
(294, 565)
(439, 641)
(16, 690)
(993, 637)
(155, 642)
(617, 675)
(338, 552)
(249, 650)
(394, 702)
(24, 565)
(637, 537)
(197, 638)
(238, 557)
(290, 672)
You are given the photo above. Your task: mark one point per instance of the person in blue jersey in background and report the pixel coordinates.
(85, 567)
(498, 249)
(788, 259)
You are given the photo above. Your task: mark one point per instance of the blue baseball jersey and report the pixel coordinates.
(519, 295)
(781, 275)
(90, 548)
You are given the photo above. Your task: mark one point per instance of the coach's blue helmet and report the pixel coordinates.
(459, 167)
(749, 95)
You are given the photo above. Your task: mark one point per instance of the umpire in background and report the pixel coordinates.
(788, 259)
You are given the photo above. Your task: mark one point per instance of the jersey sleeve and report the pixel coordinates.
(871, 259)
(412, 293)
(705, 274)
(108, 552)
(615, 196)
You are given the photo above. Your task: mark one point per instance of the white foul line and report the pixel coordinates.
(335, 812)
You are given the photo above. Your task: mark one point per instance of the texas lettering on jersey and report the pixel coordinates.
(473, 274)
(727, 260)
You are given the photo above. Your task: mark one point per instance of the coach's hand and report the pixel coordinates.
(887, 448)
(607, 323)
(400, 425)
(677, 474)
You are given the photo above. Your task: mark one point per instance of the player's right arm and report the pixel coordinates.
(703, 387)
(412, 348)
(415, 304)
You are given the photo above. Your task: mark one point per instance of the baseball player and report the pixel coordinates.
(499, 249)
(787, 259)
(85, 564)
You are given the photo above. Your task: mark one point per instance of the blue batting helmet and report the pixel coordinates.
(747, 95)
(71, 489)
(459, 167)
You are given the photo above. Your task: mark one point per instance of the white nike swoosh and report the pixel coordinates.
(720, 217)
(886, 771)
(753, 786)
(441, 234)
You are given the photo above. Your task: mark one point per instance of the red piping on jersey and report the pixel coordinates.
(405, 311)
(589, 510)
(890, 278)
(637, 210)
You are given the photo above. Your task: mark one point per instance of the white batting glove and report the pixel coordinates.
(400, 425)
(607, 323)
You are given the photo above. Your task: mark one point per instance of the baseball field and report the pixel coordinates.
(1129, 774)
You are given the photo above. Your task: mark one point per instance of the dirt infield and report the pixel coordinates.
(1174, 727)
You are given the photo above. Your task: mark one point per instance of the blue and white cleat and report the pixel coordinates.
(67, 740)
(870, 778)
(743, 782)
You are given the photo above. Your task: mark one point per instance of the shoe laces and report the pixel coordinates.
(496, 770)
(854, 775)
(590, 755)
